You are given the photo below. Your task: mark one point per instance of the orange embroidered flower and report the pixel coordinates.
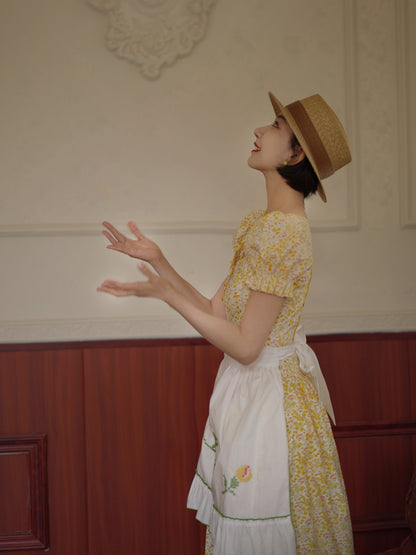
(244, 473)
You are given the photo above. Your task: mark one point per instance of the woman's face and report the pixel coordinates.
(272, 146)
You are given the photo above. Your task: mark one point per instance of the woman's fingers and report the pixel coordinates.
(153, 286)
(117, 288)
(146, 271)
(119, 236)
(109, 237)
(110, 284)
(134, 229)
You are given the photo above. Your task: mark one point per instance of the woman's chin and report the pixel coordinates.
(251, 163)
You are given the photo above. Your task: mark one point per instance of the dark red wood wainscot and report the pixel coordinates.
(99, 441)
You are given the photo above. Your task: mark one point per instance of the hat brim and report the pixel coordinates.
(281, 110)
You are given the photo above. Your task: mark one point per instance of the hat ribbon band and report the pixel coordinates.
(317, 148)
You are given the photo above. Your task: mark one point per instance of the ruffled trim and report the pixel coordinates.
(252, 537)
(200, 500)
(245, 537)
(260, 275)
(273, 285)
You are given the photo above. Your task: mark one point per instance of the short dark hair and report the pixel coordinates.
(300, 176)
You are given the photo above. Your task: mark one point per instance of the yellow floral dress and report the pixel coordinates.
(268, 479)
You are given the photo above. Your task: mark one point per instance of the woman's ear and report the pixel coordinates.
(297, 156)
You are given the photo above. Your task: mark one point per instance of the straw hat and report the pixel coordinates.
(319, 132)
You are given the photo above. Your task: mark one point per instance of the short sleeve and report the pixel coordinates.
(276, 255)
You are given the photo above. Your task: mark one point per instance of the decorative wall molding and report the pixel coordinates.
(26, 452)
(349, 223)
(352, 220)
(352, 110)
(403, 110)
(154, 228)
(377, 110)
(173, 326)
(154, 33)
(360, 322)
(157, 228)
(350, 32)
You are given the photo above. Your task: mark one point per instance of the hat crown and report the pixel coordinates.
(330, 131)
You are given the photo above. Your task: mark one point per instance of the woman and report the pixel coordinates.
(268, 479)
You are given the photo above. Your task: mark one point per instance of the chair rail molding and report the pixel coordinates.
(173, 326)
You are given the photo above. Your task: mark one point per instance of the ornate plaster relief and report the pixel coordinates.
(154, 33)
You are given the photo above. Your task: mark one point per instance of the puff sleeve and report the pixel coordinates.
(276, 255)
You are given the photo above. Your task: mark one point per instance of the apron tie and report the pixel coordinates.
(310, 367)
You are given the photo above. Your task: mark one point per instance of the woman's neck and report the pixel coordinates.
(281, 197)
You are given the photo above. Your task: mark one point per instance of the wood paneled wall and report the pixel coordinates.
(99, 441)
(373, 387)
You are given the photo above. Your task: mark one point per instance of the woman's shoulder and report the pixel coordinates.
(284, 218)
(250, 218)
(278, 225)
(262, 218)
(273, 230)
(279, 234)
(245, 225)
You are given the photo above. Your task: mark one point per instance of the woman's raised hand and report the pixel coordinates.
(154, 286)
(141, 247)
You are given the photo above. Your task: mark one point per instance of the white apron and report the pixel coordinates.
(241, 486)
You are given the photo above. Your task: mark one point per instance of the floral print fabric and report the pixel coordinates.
(273, 254)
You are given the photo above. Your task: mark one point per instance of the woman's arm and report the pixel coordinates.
(243, 342)
(144, 249)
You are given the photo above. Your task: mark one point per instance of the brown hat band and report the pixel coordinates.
(312, 139)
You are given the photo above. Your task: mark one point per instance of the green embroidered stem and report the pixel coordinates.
(233, 485)
(214, 446)
(202, 480)
(249, 519)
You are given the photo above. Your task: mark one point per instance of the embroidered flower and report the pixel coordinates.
(242, 474)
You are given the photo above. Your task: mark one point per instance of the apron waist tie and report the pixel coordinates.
(308, 363)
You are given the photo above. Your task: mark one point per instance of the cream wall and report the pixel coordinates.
(85, 137)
